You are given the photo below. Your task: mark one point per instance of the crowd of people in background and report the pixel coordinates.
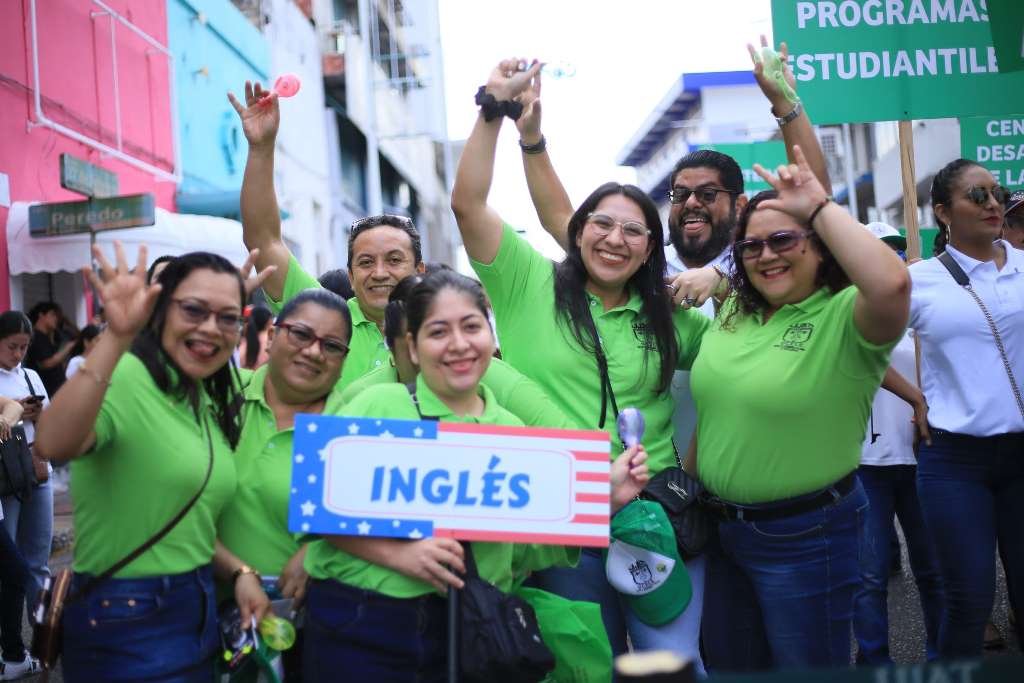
(780, 352)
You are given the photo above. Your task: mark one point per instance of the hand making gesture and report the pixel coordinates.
(528, 122)
(260, 116)
(127, 300)
(507, 82)
(800, 192)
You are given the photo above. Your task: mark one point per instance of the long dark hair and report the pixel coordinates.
(14, 322)
(88, 333)
(222, 385)
(750, 301)
(257, 320)
(571, 275)
(394, 312)
(423, 293)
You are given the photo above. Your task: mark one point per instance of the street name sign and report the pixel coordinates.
(85, 178)
(998, 145)
(888, 60)
(416, 479)
(768, 153)
(91, 215)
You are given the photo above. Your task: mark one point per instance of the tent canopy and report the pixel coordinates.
(173, 234)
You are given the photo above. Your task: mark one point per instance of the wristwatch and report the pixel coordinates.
(244, 569)
(783, 120)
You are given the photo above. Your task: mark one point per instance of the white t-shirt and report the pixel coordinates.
(73, 365)
(962, 373)
(890, 422)
(684, 418)
(13, 385)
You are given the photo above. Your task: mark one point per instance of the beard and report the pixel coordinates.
(691, 249)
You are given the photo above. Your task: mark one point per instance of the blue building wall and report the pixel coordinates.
(215, 50)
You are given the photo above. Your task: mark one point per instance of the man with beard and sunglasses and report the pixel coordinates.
(707, 196)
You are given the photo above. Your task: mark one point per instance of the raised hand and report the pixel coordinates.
(127, 300)
(774, 75)
(800, 192)
(629, 476)
(528, 122)
(254, 282)
(506, 81)
(260, 116)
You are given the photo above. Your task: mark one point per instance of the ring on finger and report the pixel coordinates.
(689, 300)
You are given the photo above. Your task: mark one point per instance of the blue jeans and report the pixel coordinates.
(15, 583)
(972, 493)
(161, 628)
(779, 593)
(891, 490)
(587, 581)
(360, 635)
(30, 524)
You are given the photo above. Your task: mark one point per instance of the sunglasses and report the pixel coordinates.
(980, 195)
(197, 313)
(780, 242)
(705, 195)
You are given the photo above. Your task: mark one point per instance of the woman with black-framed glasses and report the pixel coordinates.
(970, 478)
(783, 386)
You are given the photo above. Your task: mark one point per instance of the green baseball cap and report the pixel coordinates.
(642, 562)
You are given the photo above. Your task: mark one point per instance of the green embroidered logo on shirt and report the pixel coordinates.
(796, 337)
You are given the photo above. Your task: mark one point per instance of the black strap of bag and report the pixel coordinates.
(607, 391)
(92, 583)
(961, 279)
(411, 388)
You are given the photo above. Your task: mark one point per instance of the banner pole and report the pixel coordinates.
(453, 634)
(906, 132)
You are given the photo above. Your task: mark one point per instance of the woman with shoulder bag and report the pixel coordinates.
(970, 478)
(374, 604)
(149, 421)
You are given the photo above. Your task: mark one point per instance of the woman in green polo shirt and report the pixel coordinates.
(149, 422)
(598, 331)
(306, 351)
(783, 386)
(372, 605)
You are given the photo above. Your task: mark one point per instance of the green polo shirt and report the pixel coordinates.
(150, 458)
(367, 349)
(254, 525)
(520, 283)
(513, 390)
(495, 561)
(782, 405)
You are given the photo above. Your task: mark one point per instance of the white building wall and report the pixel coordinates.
(302, 165)
(737, 113)
(936, 143)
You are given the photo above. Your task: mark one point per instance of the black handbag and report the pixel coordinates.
(17, 474)
(500, 638)
(683, 498)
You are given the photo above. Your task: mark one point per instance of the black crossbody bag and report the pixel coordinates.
(681, 495)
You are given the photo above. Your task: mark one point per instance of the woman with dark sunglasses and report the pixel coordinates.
(306, 353)
(970, 478)
(783, 386)
(149, 422)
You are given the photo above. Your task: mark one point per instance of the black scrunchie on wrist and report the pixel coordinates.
(492, 108)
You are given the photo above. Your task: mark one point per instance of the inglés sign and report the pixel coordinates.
(415, 479)
(887, 60)
(770, 154)
(998, 145)
(91, 215)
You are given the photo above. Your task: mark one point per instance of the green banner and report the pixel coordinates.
(1007, 21)
(887, 60)
(998, 145)
(770, 154)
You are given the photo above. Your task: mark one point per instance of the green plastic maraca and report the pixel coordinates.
(277, 632)
(774, 69)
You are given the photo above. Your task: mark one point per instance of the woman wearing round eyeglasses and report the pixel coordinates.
(149, 422)
(783, 386)
(306, 351)
(970, 478)
(598, 332)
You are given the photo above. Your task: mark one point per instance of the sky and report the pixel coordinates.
(626, 57)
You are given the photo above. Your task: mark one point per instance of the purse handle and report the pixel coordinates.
(155, 538)
(961, 279)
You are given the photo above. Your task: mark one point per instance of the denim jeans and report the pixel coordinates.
(972, 493)
(161, 628)
(360, 635)
(892, 490)
(15, 582)
(30, 524)
(587, 581)
(779, 593)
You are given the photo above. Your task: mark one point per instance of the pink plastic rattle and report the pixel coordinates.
(287, 85)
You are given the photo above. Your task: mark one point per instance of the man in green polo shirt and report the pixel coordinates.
(381, 249)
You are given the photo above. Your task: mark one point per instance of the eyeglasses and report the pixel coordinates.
(705, 195)
(979, 195)
(632, 231)
(197, 313)
(302, 337)
(780, 242)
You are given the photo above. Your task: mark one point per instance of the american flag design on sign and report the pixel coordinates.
(414, 479)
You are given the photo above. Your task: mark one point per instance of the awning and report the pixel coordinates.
(173, 234)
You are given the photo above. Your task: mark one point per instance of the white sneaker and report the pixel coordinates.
(12, 671)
